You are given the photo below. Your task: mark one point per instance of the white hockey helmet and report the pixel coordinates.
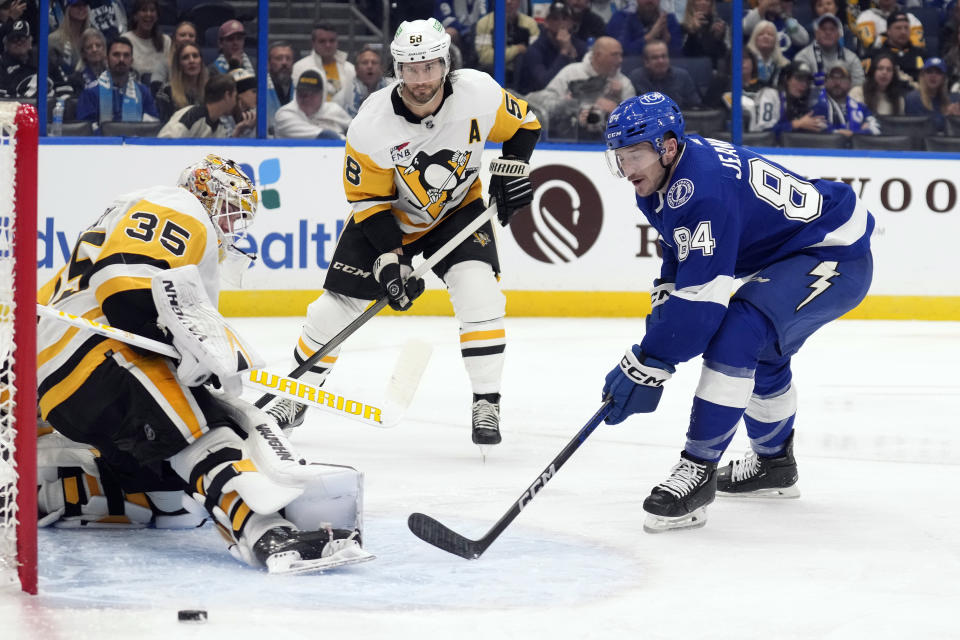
(420, 40)
(228, 195)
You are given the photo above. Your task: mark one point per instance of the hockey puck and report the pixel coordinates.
(192, 615)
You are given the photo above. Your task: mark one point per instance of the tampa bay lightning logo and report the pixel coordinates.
(654, 97)
(679, 193)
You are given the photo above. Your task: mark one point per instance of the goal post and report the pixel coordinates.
(18, 352)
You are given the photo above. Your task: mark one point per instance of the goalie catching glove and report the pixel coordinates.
(209, 347)
(510, 186)
(394, 279)
(636, 385)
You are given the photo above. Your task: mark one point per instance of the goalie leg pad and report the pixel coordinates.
(326, 317)
(334, 498)
(480, 306)
(208, 345)
(75, 490)
(250, 455)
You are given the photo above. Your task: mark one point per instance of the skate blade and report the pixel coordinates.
(779, 493)
(693, 520)
(289, 563)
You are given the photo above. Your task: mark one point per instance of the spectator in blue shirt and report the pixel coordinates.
(553, 50)
(117, 97)
(843, 114)
(647, 22)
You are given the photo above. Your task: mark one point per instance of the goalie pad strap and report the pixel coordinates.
(111, 489)
(214, 490)
(215, 459)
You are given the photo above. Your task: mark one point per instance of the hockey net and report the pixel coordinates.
(18, 387)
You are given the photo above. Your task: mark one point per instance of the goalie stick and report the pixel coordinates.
(382, 301)
(433, 532)
(400, 390)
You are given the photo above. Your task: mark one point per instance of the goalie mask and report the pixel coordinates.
(228, 195)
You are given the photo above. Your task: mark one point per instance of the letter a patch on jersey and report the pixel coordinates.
(474, 132)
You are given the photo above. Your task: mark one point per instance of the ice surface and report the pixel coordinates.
(870, 550)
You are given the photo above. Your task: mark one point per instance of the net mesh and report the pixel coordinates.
(8, 382)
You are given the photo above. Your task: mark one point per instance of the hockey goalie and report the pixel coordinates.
(132, 438)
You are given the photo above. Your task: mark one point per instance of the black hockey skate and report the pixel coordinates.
(680, 501)
(283, 550)
(756, 476)
(486, 418)
(288, 413)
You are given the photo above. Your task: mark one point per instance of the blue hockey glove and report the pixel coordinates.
(636, 385)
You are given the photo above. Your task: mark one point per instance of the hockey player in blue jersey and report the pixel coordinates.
(725, 215)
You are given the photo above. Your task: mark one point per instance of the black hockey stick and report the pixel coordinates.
(381, 302)
(442, 537)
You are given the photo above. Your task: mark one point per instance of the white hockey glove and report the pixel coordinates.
(510, 186)
(208, 345)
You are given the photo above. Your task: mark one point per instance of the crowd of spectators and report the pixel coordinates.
(809, 66)
(818, 66)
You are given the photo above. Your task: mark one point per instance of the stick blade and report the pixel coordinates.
(442, 537)
(413, 360)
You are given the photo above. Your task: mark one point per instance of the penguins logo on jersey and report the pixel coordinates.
(438, 179)
(481, 238)
(679, 193)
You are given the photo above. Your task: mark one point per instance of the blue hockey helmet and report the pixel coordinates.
(644, 118)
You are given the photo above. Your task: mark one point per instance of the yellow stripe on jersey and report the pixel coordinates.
(158, 232)
(158, 372)
(916, 36)
(309, 352)
(366, 213)
(366, 184)
(45, 293)
(512, 115)
(120, 284)
(483, 335)
(69, 385)
(867, 33)
(53, 350)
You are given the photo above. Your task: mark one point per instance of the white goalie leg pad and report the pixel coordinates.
(333, 498)
(480, 306)
(264, 469)
(208, 345)
(326, 317)
(71, 493)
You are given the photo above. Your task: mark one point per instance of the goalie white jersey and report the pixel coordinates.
(423, 170)
(108, 280)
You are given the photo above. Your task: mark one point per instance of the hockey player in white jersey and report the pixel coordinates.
(724, 213)
(140, 439)
(411, 175)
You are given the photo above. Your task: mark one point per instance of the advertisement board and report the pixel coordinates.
(584, 248)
